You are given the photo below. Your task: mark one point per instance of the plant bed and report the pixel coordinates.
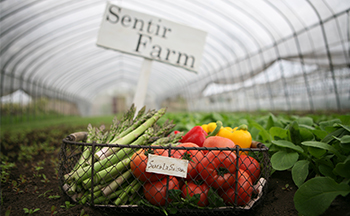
(30, 154)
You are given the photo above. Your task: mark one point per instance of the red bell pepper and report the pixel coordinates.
(196, 135)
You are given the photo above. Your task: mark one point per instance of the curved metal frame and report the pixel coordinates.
(234, 52)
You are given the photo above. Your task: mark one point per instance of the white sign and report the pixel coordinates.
(151, 37)
(167, 165)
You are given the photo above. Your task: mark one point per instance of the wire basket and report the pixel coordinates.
(110, 187)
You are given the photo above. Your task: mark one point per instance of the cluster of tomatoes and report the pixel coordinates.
(232, 176)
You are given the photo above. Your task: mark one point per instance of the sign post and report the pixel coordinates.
(153, 38)
(141, 89)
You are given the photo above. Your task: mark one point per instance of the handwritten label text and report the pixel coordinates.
(167, 166)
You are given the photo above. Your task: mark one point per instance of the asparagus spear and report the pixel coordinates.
(115, 166)
(132, 188)
(107, 160)
(138, 122)
(127, 139)
(116, 183)
(108, 173)
(114, 170)
(141, 130)
(120, 125)
(111, 196)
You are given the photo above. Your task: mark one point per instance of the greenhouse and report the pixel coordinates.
(82, 80)
(257, 55)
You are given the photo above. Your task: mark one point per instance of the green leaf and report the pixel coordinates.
(317, 144)
(345, 143)
(273, 121)
(172, 210)
(305, 120)
(194, 199)
(343, 169)
(345, 127)
(174, 194)
(316, 195)
(345, 119)
(306, 134)
(254, 132)
(214, 199)
(307, 127)
(262, 132)
(283, 160)
(331, 136)
(300, 171)
(328, 124)
(345, 139)
(326, 160)
(323, 145)
(325, 165)
(316, 152)
(278, 133)
(320, 134)
(287, 144)
(294, 133)
(326, 170)
(270, 123)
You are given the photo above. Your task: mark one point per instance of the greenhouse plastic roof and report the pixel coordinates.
(52, 44)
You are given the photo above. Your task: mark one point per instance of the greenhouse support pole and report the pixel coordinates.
(141, 89)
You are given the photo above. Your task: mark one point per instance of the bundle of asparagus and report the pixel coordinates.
(103, 176)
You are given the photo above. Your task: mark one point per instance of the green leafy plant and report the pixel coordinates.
(286, 187)
(22, 179)
(82, 213)
(8, 211)
(15, 187)
(35, 190)
(37, 168)
(54, 197)
(317, 156)
(67, 205)
(53, 210)
(5, 170)
(45, 193)
(30, 211)
(45, 179)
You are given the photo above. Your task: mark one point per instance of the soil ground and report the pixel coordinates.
(34, 191)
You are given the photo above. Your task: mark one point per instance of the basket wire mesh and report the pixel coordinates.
(103, 184)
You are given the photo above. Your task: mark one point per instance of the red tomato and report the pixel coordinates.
(156, 191)
(244, 190)
(251, 166)
(194, 156)
(219, 142)
(245, 175)
(191, 188)
(217, 169)
(165, 153)
(138, 165)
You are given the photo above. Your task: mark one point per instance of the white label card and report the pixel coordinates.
(167, 166)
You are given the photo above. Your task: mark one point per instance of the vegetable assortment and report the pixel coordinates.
(230, 176)
(219, 172)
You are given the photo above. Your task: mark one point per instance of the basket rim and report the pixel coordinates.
(78, 138)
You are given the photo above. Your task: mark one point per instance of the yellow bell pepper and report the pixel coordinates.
(242, 137)
(211, 126)
(226, 132)
(205, 127)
